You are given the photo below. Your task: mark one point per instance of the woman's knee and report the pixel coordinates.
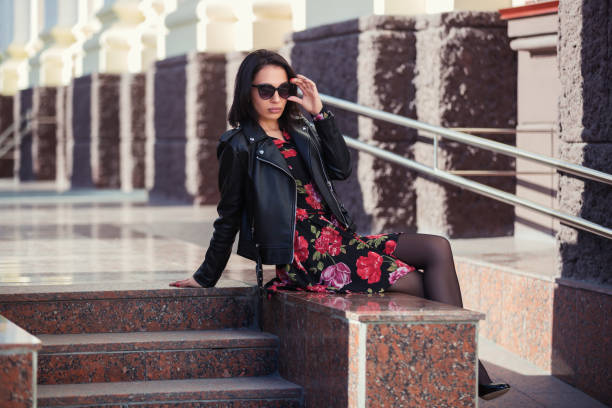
(439, 248)
(411, 284)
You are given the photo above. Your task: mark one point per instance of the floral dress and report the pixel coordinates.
(327, 256)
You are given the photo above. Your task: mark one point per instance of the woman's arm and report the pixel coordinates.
(226, 226)
(334, 150)
(336, 155)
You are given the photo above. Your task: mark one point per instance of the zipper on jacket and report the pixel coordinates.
(294, 202)
(329, 184)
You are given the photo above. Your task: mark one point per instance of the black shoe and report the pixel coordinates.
(490, 391)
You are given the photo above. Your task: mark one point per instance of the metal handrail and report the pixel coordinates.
(11, 129)
(462, 182)
(469, 139)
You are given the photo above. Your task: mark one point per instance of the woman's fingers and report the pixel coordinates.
(186, 283)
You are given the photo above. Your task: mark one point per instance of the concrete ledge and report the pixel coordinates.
(18, 350)
(387, 349)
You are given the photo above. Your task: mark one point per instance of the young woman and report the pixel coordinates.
(275, 171)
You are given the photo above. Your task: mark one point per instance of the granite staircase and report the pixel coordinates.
(152, 348)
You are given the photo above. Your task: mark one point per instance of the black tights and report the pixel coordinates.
(433, 255)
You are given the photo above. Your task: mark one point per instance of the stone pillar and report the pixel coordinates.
(93, 131)
(272, 21)
(396, 64)
(132, 131)
(188, 121)
(53, 64)
(583, 300)
(78, 133)
(6, 119)
(105, 157)
(466, 78)
(117, 46)
(44, 138)
(24, 166)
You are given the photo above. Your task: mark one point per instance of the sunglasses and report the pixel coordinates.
(285, 90)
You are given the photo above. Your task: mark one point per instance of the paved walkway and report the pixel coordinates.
(110, 237)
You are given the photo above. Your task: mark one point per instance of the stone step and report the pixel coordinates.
(244, 392)
(80, 309)
(148, 356)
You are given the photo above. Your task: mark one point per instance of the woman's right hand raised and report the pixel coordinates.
(186, 283)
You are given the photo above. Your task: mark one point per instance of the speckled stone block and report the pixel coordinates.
(17, 365)
(343, 348)
(105, 140)
(418, 365)
(188, 121)
(585, 112)
(6, 120)
(17, 379)
(44, 136)
(123, 311)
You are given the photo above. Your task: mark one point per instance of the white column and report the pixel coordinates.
(52, 65)
(272, 21)
(117, 46)
(25, 27)
(153, 30)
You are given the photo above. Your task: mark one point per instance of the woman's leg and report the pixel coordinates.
(434, 256)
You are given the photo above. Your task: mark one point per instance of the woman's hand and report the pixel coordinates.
(311, 101)
(186, 283)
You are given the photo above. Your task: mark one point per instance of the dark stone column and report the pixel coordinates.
(454, 69)
(105, 157)
(583, 300)
(133, 137)
(466, 78)
(351, 60)
(585, 118)
(78, 141)
(93, 138)
(189, 116)
(24, 169)
(6, 120)
(44, 138)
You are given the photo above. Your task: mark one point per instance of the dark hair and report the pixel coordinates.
(242, 109)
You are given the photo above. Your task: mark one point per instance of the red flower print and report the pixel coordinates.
(278, 142)
(300, 247)
(336, 275)
(317, 288)
(286, 135)
(289, 153)
(369, 267)
(374, 236)
(401, 264)
(301, 214)
(313, 198)
(330, 241)
(390, 247)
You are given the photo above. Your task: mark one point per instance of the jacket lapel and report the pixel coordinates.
(264, 146)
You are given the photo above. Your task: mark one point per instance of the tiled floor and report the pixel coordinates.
(113, 238)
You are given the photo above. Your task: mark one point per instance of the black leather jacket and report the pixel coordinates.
(258, 193)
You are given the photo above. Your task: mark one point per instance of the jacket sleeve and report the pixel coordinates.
(232, 173)
(336, 155)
